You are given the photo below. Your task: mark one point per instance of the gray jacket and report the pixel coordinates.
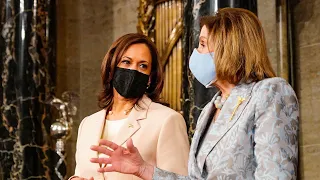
(255, 136)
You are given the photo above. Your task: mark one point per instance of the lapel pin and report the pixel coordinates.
(240, 100)
(130, 125)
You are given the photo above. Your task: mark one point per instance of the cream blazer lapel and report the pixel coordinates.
(131, 126)
(95, 126)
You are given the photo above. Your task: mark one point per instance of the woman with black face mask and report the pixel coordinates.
(132, 82)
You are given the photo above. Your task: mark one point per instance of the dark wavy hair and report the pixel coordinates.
(111, 60)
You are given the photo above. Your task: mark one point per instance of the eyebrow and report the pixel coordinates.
(144, 61)
(126, 57)
(131, 59)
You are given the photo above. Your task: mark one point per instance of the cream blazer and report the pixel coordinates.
(157, 131)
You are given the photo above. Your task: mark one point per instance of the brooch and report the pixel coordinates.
(240, 100)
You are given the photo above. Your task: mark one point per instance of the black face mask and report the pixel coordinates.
(130, 83)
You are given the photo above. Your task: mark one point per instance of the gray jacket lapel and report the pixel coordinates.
(202, 122)
(228, 116)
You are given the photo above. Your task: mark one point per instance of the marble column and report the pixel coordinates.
(27, 67)
(282, 12)
(196, 95)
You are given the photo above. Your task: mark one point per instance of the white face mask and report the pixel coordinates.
(203, 68)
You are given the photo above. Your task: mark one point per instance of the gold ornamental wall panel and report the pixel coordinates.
(161, 20)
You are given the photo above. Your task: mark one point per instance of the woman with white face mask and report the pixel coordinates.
(249, 130)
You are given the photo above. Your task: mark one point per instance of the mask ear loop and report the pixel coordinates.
(211, 83)
(149, 82)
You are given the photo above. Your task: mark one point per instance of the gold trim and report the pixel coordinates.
(146, 18)
(179, 61)
(163, 1)
(167, 31)
(173, 39)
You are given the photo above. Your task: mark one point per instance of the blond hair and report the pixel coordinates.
(238, 42)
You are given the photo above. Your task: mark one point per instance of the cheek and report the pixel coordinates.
(200, 49)
(149, 70)
(122, 65)
(205, 49)
(146, 71)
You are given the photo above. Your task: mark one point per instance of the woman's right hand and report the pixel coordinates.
(123, 160)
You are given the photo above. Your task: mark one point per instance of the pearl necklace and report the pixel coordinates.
(219, 102)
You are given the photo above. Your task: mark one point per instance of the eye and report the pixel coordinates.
(144, 66)
(125, 61)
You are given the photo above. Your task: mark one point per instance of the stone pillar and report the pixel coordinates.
(196, 94)
(27, 67)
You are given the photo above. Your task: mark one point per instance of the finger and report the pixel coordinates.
(101, 160)
(109, 144)
(91, 178)
(106, 169)
(101, 149)
(130, 146)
